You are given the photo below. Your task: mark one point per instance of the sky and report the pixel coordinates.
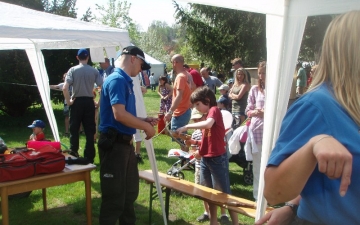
(143, 12)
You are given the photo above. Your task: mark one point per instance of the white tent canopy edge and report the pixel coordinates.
(285, 24)
(32, 31)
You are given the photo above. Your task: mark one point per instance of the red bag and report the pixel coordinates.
(38, 144)
(14, 167)
(24, 164)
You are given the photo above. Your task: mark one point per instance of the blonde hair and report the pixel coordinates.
(339, 63)
(261, 83)
(243, 71)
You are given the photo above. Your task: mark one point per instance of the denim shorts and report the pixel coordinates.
(214, 173)
(180, 121)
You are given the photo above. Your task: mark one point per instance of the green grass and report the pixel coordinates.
(66, 203)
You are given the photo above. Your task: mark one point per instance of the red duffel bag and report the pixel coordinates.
(27, 163)
(14, 167)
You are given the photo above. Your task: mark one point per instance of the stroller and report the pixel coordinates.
(233, 122)
(185, 161)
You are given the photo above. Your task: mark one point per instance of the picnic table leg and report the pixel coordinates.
(44, 199)
(4, 206)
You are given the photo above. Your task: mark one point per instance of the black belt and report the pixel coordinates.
(124, 139)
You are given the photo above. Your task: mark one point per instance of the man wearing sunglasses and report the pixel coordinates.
(119, 176)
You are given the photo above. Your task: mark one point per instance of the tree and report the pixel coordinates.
(31, 4)
(63, 8)
(313, 36)
(88, 16)
(218, 35)
(116, 14)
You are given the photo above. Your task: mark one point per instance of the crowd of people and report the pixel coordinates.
(312, 166)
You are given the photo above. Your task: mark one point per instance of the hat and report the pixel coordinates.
(37, 123)
(135, 51)
(83, 52)
(230, 81)
(223, 100)
(195, 114)
(224, 87)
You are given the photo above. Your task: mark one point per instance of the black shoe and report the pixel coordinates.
(203, 218)
(139, 158)
(224, 220)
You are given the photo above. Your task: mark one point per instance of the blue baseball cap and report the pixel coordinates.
(223, 100)
(37, 123)
(83, 52)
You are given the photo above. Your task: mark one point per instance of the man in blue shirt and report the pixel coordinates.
(119, 176)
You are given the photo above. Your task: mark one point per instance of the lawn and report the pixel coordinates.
(66, 203)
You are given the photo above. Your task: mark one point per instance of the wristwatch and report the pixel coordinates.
(293, 207)
(170, 112)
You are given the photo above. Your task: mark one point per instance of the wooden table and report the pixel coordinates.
(233, 203)
(44, 181)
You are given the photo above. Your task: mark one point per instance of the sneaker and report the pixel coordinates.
(139, 158)
(203, 218)
(224, 220)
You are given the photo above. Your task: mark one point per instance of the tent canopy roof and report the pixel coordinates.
(23, 28)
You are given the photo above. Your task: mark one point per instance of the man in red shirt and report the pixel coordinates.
(195, 75)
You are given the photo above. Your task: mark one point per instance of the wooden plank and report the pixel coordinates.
(233, 203)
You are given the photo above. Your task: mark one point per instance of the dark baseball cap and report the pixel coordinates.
(83, 52)
(37, 123)
(135, 51)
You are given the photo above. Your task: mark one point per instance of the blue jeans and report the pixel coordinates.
(180, 121)
(214, 173)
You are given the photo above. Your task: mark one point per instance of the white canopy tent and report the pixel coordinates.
(285, 24)
(23, 28)
(157, 67)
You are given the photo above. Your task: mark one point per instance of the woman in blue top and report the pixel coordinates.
(317, 154)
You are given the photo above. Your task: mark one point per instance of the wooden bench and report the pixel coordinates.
(233, 203)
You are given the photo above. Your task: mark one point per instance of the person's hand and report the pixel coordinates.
(143, 90)
(167, 117)
(334, 160)
(181, 130)
(149, 131)
(249, 113)
(188, 142)
(197, 155)
(153, 121)
(72, 100)
(260, 113)
(279, 216)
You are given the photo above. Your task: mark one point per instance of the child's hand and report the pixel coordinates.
(188, 142)
(197, 155)
(181, 130)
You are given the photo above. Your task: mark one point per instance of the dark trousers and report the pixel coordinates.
(153, 87)
(83, 111)
(119, 182)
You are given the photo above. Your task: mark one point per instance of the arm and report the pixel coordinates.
(207, 124)
(287, 180)
(279, 216)
(243, 90)
(55, 87)
(67, 94)
(159, 93)
(218, 82)
(127, 119)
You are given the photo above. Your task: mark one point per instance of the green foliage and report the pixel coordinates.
(88, 16)
(313, 36)
(219, 35)
(16, 98)
(60, 7)
(18, 89)
(31, 4)
(116, 14)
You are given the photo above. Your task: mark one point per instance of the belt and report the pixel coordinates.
(124, 139)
